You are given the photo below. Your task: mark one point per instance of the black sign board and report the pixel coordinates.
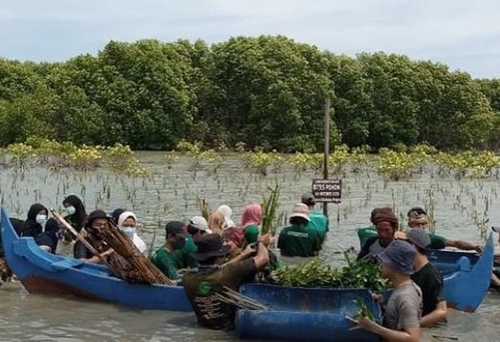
(327, 190)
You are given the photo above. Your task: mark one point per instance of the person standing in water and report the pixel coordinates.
(386, 224)
(401, 322)
(317, 218)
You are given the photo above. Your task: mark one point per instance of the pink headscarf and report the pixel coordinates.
(252, 214)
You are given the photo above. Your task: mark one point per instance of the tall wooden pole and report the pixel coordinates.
(327, 147)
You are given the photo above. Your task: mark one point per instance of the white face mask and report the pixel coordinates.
(41, 218)
(130, 231)
(70, 210)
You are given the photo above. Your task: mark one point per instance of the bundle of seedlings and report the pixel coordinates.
(270, 206)
(204, 207)
(133, 265)
(317, 273)
(235, 298)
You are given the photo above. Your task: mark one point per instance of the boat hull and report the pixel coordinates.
(42, 272)
(303, 314)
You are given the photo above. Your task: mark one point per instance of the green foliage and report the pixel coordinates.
(243, 93)
(317, 273)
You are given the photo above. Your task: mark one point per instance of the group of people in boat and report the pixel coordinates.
(417, 300)
(207, 255)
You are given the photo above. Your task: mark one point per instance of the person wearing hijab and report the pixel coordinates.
(127, 222)
(47, 239)
(227, 212)
(250, 222)
(217, 222)
(37, 217)
(76, 212)
(115, 214)
(96, 221)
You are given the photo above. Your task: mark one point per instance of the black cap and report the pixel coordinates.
(96, 214)
(210, 245)
(308, 199)
(176, 228)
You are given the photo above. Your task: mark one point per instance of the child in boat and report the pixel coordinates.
(402, 312)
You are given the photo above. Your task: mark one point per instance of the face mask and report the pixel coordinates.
(70, 210)
(130, 231)
(179, 243)
(41, 218)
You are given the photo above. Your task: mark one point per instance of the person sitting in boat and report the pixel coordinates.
(227, 212)
(429, 279)
(300, 239)
(318, 219)
(402, 312)
(386, 224)
(76, 214)
(217, 222)
(250, 223)
(197, 228)
(47, 239)
(37, 217)
(127, 222)
(96, 221)
(417, 218)
(164, 258)
(233, 238)
(203, 286)
(115, 214)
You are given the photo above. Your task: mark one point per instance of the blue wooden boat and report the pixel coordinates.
(42, 272)
(466, 275)
(303, 314)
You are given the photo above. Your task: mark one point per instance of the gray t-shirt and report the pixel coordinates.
(404, 307)
(376, 248)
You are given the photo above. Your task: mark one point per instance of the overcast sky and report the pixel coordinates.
(463, 34)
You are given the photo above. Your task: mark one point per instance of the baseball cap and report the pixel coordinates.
(200, 223)
(399, 255)
(308, 199)
(176, 228)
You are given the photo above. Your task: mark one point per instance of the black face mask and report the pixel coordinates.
(179, 243)
(94, 231)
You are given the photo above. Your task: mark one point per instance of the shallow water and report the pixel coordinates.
(171, 194)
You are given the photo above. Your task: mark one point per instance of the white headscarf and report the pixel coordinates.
(227, 212)
(141, 245)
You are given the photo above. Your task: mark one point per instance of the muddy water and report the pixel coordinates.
(171, 194)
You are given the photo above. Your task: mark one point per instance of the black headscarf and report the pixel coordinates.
(115, 215)
(31, 227)
(77, 220)
(49, 236)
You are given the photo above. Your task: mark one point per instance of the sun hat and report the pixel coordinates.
(308, 199)
(300, 210)
(399, 255)
(210, 245)
(200, 223)
(418, 237)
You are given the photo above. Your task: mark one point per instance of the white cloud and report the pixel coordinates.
(463, 34)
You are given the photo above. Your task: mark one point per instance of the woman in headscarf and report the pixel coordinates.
(47, 239)
(76, 212)
(227, 212)
(96, 221)
(37, 216)
(217, 222)
(250, 222)
(127, 221)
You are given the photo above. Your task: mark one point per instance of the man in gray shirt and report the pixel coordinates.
(403, 310)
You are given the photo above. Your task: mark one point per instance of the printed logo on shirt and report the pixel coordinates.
(298, 234)
(204, 288)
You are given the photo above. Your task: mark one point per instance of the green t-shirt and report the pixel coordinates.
(251, 233)
(184, 256)
(302, 241)
(437, 242)
(166, 262)
(320, 221)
